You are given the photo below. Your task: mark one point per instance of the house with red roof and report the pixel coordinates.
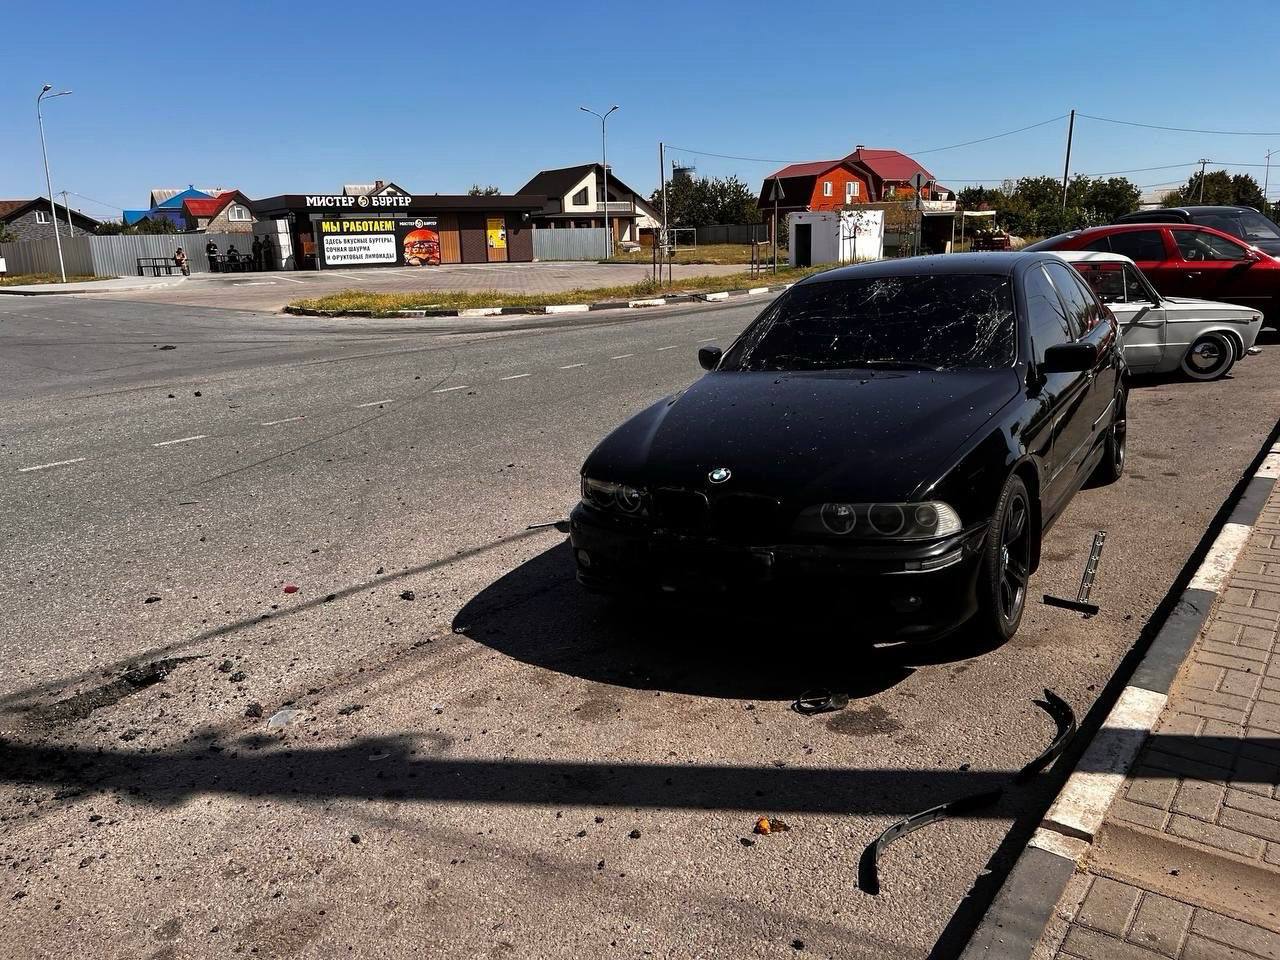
(228, 212)
(868, 175)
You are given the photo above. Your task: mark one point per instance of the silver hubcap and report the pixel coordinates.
(1206, 356)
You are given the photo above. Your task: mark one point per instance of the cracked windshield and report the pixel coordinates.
(926, 322)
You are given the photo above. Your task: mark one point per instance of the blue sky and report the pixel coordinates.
(284, 97)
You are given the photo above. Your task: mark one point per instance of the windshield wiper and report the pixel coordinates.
(897, 365)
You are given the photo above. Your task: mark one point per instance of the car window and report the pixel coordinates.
(1046, 317)
(1139, 244)
(1081, 309)
(1223, 222)
(1195, 245)
(925, 320)
(1052, 243)
(1138, 288)
(1107, 280)
(1258, 227)
(1101, 245)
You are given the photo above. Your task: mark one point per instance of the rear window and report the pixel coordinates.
(1139, 244)
(1052, 243)
(913, 322)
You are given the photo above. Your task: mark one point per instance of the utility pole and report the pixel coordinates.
(666, 253)
(1202, 164)
(1266, 179)
(661, 238)
(67, 208)
(1066, 167)
(604, 164)
(48, 181)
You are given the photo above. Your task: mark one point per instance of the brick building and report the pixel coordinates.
(32, 219)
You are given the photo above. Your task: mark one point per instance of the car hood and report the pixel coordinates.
(814, 435)
(1207, 308)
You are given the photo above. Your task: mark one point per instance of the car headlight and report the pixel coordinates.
(880, 521)
(617, 497)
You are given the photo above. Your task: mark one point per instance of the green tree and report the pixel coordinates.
(153, 225)
(479, 191)
(111, 228)
(7, 235)
(1219, 188)
(697, 203)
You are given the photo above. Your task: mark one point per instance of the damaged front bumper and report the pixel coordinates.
(913, 589)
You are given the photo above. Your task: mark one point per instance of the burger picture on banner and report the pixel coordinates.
(420, 242)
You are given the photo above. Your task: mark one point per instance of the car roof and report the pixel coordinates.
(999, 263)
(1092, 256)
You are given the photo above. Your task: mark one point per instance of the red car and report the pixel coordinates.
(1186, 260)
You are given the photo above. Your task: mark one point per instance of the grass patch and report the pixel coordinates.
(22, 279)
(382, 304)
(719, 253)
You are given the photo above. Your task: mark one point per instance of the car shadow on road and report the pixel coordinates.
(750, 648)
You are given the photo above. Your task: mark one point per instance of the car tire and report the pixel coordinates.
(1006, 562)
(1210, 357)
(1113, 448)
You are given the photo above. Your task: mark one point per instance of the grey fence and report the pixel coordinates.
(88, 255)
(573, 243)
(732, 233)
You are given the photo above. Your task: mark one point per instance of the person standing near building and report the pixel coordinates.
(268, 254)
(211, 251)
(180, 259)
(257, 252)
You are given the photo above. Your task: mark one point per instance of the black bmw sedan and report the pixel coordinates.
(893, 436)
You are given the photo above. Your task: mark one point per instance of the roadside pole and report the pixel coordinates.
(1203, 162)
(661, 240)
(1066, 167)
(67, 208)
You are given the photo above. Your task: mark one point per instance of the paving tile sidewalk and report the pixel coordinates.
(1187, 864)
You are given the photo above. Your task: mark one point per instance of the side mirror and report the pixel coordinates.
(1253, 256)
(1070, 358)
(708, 357)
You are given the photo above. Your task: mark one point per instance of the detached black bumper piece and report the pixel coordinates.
(904, 589)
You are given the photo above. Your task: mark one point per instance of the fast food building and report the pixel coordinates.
(394, 229)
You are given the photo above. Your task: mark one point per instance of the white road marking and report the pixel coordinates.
(374, 403)
(46, 466)
(672, 347)
(622, 356)
(350, 277)
(517, 376)
(291, 280)
(165, 443)
(450, 389)
(570, 366)
(272, 423)
(708, 339)
(254, 283)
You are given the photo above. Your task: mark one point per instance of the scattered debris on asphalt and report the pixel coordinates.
(197, 394)
(238, 677)
(764, 825)
(561, 526)
(408, 595)
(167, 346)
(152, 599)
(820, 701)
(746, 841)
(254, 709)
(1065, 718)
(290, 588)
(349, 709)
(79, 706)
(869, 866)
(1081, 603)
(634, 834)
(226, 666)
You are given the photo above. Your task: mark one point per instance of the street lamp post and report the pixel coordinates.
(48, 181)
(604, 164)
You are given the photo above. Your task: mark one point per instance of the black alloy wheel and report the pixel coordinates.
(1006, 561)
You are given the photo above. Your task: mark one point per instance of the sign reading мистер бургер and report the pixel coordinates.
(340, 201)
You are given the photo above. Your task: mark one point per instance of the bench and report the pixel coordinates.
(155, 265)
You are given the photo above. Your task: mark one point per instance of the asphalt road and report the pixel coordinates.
(501, 766)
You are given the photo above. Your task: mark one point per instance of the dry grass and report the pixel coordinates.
(382, 304)
(708, 253)
(22, 279)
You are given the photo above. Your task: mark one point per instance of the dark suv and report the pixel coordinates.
(1243, 222)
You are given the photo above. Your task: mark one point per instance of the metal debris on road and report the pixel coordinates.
(868, 865)
(561, 525)
(1081, 603)
(1065, 718)
(823, 701)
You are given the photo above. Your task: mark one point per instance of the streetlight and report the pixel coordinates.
(608, 236)
(48, 181)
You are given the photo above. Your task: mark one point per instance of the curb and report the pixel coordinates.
(553, 309)
(1012, 926)
(89, 288)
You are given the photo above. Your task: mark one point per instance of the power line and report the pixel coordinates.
(109, 206)
(872, 153)
(1156, 126)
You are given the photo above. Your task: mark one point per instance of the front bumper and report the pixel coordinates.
(877, 585)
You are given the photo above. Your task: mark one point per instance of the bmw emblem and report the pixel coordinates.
(719, 474)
